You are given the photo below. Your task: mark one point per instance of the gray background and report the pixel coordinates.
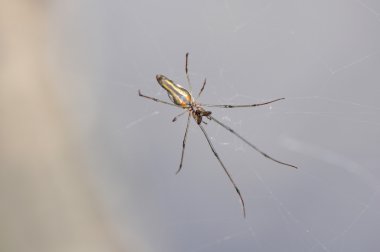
(323, 56)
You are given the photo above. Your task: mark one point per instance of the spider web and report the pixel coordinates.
(322, 56)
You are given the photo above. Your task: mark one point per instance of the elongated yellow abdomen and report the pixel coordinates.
(179, 95)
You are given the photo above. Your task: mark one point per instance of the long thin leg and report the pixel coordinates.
(179, 115)
(241, 106)
(187, 71)
(184, 143)
(250, 144)
(157, 100)
(203, 87)
(188, 77)
(225, 169)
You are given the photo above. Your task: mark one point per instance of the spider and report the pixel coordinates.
(183, 99)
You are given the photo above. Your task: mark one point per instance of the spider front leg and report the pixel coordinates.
(249, 143)
(241, 106)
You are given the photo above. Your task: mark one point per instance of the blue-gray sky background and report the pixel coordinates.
(322, 56)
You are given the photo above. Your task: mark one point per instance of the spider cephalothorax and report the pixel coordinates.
(198, 113)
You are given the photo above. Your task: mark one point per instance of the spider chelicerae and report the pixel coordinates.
(183, 99)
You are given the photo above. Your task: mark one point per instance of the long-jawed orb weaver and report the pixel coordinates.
(183, 99)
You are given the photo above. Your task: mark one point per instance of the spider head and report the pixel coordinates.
(199, 113)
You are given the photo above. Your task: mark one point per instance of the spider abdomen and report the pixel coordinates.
(177, 94)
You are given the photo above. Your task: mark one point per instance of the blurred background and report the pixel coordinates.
(88, 165)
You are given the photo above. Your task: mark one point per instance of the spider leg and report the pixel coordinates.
(179, 115)
(188, 77)
(157, 100)
(203, 87)
(250, 144)
(187, 71)
(224, 168)
(184, 143)
(241, 106)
